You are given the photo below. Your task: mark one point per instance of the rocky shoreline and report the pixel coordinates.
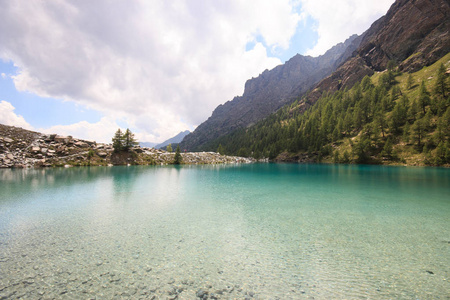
(20, 148)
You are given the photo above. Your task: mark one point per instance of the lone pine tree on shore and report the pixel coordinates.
(178, 158)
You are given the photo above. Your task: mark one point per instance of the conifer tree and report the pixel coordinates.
(406, 132)
(128, 140)
(123, 141)
(361, 149)
(346, 157)
(387, 149)
(419, 131)
(118, 141)
(440, 86)
(409, 82)
(414, 111)
(391, 65)
(220, 149)
(440, 154)
(178, 158)
(336, 157)
(424, 97)
(366, 83)
(380, 122)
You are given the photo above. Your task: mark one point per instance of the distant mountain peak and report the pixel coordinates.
(173, 140)
(268, 92)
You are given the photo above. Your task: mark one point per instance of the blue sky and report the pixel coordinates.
(85, 68)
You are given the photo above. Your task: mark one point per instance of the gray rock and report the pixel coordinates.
(202, 294)
(102, 154)
(63, 139)
(81, 144)
(35, 149)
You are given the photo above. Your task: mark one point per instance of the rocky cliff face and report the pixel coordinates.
(413, 33)
(270, 91)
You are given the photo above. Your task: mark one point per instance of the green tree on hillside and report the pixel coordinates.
(391, 65)
(117, 141)
(418, 129)
(128, 140)
(169, 148)
(178, 158)
(387, 149)
(123, 141)
(424, 97)
(220, 150)
(361, 150)
(409, 82)
(440, 86)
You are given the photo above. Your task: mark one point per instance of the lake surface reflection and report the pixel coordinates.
(278, 231)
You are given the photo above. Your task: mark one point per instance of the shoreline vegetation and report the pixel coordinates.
(21, 148)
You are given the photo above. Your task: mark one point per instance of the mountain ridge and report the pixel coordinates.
(413, 33)
(173, 140)
(268, 92)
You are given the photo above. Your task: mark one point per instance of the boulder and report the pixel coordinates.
(81, 144)
(35, 149)
(138, 150)
(50, 137)
(63, 139)
(102, 154)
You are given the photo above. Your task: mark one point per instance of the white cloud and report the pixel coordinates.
(159, 66)
(101, 131)
(4, 75)
(337, 20)
(162, 66)
(9, 117)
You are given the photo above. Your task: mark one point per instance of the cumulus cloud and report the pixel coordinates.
(337, 20)
(159, 66)
(162, 66)
(9, 117)
(101, 131)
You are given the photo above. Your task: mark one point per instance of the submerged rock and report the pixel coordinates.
(202, 294)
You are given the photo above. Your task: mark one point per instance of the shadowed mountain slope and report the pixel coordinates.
(413, 34)
(270, 91)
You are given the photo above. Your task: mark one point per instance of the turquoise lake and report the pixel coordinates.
(264, 231)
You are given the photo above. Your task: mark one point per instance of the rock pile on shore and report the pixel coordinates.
(20, 148)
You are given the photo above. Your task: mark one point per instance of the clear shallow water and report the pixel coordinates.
(268, 231)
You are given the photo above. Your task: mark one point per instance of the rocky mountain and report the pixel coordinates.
(386, 104)
(413, 34)
(270, 91)
(174, 140)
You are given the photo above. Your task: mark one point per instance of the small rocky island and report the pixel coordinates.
(20, 148)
